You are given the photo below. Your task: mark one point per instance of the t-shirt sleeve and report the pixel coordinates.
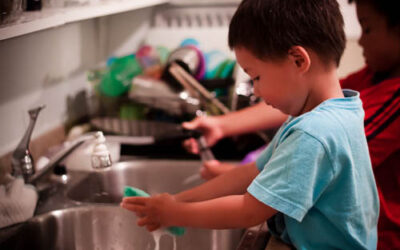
(295, 175)
(265, 155)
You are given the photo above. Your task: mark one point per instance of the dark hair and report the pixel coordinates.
(269, 28)
(388, 8)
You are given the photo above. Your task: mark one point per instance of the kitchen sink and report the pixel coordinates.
(108, 227)
(152, 176)
(84, 212)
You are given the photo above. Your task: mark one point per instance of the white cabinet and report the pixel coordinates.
(52, 17)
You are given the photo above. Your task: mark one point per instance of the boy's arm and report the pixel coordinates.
(235, 211)
(232, 182)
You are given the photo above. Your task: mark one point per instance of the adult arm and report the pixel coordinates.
(251, 119)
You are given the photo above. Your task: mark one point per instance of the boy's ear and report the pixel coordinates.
(300, 58)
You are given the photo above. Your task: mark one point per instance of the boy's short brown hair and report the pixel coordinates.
(269, 28)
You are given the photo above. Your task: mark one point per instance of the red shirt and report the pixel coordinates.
(381, 104)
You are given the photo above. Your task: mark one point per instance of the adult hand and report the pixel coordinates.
(153, 212)
(210, 128)
(213, 168)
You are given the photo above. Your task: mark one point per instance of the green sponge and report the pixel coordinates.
(131, 191)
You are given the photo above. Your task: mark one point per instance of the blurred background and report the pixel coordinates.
(103, 62)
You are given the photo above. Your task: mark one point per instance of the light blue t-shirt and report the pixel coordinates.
(317, 173)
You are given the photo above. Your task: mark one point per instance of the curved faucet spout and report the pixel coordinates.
(22, 161)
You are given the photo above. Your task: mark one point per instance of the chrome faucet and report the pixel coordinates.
(22, 161)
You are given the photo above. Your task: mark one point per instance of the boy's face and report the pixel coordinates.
(380, 43)
(276, 82)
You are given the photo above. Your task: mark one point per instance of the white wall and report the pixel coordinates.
(48, 66)
(352, 27)
(352, 58)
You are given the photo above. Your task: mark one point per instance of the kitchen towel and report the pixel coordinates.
(17, 201)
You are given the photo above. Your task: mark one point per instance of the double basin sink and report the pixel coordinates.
(85, 212)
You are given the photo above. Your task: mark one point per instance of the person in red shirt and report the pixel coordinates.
(379, 87)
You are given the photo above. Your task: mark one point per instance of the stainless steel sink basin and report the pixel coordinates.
(153, 176)
(91, 219)
(108, 227)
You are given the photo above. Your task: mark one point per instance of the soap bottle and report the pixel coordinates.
(100, 156)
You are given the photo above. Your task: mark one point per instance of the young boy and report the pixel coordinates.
(316, 172)
(378, 84)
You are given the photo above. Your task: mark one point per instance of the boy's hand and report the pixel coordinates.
(210, 128)
(153, 212)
